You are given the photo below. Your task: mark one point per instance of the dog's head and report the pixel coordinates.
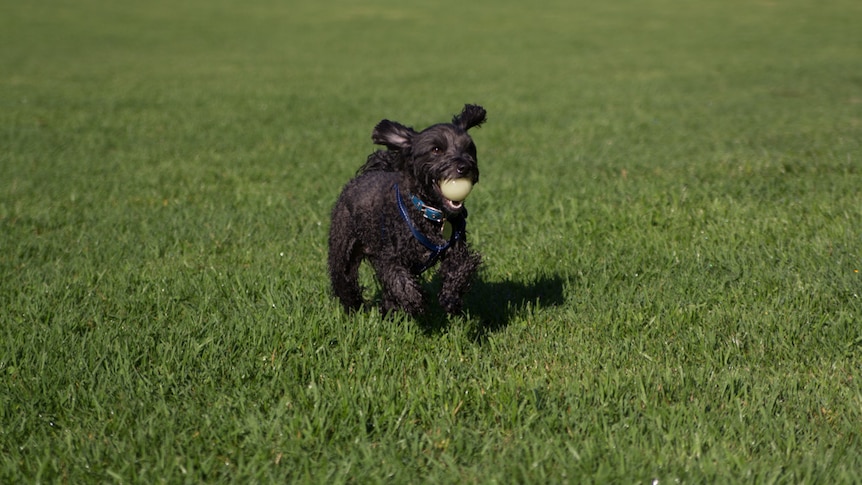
(438, 153)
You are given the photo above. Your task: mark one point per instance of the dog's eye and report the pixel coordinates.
(436, 150)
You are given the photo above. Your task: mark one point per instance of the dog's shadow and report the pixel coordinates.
(494, 304)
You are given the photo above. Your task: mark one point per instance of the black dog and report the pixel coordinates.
(394, 214)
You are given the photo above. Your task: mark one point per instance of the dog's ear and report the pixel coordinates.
(394, 136)
(472, 115)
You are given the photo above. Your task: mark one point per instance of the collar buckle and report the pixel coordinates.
(427, 211)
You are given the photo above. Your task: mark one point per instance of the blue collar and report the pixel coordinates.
(459, 226)
(429, 212)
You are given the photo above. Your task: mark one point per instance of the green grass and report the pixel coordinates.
(669, 210)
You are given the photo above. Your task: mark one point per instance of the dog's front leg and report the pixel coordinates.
(456, 273)
(401, 291)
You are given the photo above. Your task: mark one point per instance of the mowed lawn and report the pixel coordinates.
(670, 213)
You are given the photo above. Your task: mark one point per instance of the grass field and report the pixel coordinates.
(670, 212)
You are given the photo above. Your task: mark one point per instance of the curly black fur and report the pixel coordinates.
(367, 224)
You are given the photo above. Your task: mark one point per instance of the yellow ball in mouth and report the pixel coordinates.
(456, 189)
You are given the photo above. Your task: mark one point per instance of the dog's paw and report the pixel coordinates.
(451, 304)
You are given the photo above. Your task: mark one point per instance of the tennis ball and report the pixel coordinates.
(456, 189)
